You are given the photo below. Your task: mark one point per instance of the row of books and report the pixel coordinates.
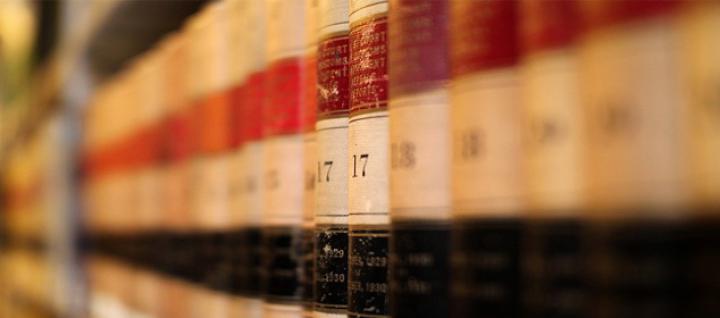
(366, 158)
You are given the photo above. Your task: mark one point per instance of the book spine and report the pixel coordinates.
(148, 136)
(243, 249)
(554, 130)
(487, 159)
(635, 156)
(236, 15)
(252, 188)
(284, 167)
(127, 178)
(252, 184)
(150, 161)
(310, 154)
(144, 182)
(176, 140)
(419, 158)
(701, 73)
(238, 218)
(177, 190)
(702, 77)
(234, 249)
(128, 166)
(331, 201)
(214, 115)
(198, 245)
(367, 160)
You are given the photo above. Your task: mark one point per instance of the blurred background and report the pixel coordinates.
(53, 55)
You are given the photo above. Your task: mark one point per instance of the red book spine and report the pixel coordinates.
(251, 113)
(180, 135)
(282, 113)
(549, 24)
(368, 64)
(215, 123)
(236, 97)
(310, 100)
(601, 14)
(484, 36)
(333, 77)
(418, 57)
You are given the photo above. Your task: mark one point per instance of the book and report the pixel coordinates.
(635, 159)
(555, 136)
(487, 170)
(252, 184)
(201, 240)
(700, 74)
(237, 12)
(177, 143)
(283, 154)
(331, 200)
(147, 92)
(368, 160)
(309, 153)
(214, 157)
(150, 101)
(419, 110)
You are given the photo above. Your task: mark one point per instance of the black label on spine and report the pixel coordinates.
(219, 275)
(704, 261)
(209, 262)
(555, 263)
(282, 250)
(486, 268)
(308, 257)
(638, 269)
(331, 268)
(249, 262)
(419, 269)
(368, 274)
(233, 254)
(184, 255)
